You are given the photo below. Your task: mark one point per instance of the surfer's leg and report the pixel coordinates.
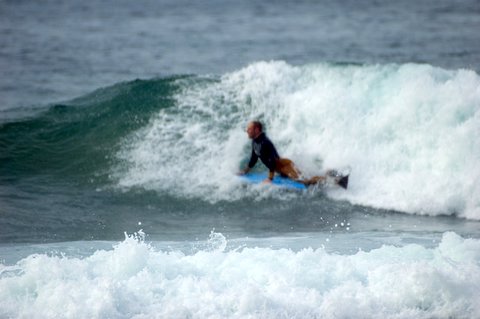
(287, 168)
(314, 180)
(338, 178)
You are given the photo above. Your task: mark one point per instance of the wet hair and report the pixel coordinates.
(258, 124)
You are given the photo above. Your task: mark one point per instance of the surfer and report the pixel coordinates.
(264, 149)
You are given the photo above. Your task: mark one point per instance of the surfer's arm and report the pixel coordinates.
(269, 157)
(271, 174)
(270, 163)
(253, 161)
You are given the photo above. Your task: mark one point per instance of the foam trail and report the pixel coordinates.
(134, 280)
(408, 132)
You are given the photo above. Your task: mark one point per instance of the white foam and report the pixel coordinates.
(409, 133)
(135, 280)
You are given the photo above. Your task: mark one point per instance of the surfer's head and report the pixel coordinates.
(254, 129)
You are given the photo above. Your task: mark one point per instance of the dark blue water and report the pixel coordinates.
(122, 127)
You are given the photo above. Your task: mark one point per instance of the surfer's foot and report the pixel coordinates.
(342, 181)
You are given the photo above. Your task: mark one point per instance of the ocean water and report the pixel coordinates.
(122, 128)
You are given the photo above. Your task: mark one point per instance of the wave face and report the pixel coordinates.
(409, 133)
(77, 138)
(137, 280)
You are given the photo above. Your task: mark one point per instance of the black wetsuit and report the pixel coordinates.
(262, 147)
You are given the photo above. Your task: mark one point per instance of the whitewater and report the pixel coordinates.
(408, 133)
(219, 280)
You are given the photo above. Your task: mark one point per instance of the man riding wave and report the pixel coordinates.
(264, 149)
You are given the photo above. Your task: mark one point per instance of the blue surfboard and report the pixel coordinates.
(256, 178)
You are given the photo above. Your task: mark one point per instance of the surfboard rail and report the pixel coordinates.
(284, 182)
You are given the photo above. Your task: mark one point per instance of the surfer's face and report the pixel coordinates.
(252, 130)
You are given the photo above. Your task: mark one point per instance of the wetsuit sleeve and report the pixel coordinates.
(253, 160)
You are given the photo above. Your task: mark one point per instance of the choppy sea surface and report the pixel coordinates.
(122, 126)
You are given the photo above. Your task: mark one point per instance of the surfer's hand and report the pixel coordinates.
(267, 181)
(242, 172)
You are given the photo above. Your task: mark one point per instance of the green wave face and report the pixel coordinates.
(79, 137)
